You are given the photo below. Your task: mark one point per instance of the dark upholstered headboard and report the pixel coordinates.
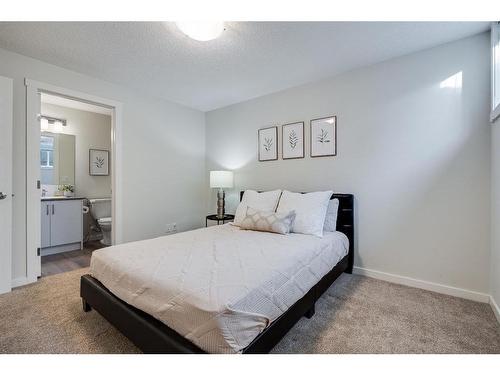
(345, 221)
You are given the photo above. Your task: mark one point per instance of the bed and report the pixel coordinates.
(223, 289)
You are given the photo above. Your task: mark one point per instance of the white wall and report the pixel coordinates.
(415, 155)
(91, 130)
(495, 214)
(163, 154)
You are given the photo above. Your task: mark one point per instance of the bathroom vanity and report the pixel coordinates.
(62, 224)
(62, 217)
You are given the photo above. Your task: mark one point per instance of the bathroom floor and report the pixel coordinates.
(70, 260)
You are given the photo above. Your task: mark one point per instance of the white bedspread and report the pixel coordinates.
(219, 286)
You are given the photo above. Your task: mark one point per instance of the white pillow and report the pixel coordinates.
(310, 210)
(331, 216)
(266, 201)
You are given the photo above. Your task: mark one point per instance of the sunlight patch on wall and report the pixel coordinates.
(452, 82)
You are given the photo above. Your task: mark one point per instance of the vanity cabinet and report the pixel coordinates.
(62, 225)
(46, 207)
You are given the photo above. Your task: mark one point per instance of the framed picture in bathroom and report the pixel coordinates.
(98, 162)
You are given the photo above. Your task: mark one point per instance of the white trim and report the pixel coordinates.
(33, 220)
(427, 285)
(6, 205)
(33, 88)
(495, 308)
(495, 113)
(20, 281)
(494, 33)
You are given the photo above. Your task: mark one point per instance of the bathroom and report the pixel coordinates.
(75, 174)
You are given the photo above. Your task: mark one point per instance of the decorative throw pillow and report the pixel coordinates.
(310, 210)
(266, 201)
(266, 221)
(331, 216)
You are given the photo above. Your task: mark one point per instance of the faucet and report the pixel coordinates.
(44, 192)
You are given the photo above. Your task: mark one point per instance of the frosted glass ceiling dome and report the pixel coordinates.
(201, 30)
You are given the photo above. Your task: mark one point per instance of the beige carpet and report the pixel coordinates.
(356, 315)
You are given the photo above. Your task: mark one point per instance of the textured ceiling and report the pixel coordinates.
(250, 59)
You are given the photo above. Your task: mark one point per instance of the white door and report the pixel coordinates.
(65, 222)
(5, 184)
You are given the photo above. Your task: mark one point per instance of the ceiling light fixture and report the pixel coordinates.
(201, 30)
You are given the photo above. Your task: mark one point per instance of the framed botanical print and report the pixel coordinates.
(98, 162)
(324, 137)
(292, 140)
(268, 144)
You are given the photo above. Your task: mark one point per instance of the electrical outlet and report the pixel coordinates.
(171, 228)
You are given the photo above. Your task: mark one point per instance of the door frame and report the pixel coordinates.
(33, 221)
(6, 253)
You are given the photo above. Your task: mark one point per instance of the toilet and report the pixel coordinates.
(100, 209)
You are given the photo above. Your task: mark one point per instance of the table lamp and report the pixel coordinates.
(221, 180)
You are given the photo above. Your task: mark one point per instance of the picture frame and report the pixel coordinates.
(98, 162)
(323, 136)
(268, 143)
(292, 141)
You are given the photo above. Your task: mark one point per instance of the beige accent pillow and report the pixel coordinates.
(266, 221)
(266, 201)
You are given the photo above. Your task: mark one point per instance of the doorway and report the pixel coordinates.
(75, 178)
(58, 183)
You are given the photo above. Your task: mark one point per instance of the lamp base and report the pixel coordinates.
(220, 203)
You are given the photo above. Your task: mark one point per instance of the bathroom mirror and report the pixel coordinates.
(57, 159)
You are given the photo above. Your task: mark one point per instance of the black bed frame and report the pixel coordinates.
(152, 336)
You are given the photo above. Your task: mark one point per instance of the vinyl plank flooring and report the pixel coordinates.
(70, 260)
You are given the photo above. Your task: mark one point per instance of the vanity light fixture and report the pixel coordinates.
(57, 123)
(201, 30)
(44, 124)
(58, 126)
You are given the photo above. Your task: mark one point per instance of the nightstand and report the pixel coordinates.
(219, 219)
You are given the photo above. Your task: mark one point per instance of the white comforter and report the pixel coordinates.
(220, 286)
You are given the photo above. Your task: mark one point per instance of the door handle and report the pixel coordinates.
(2, 196)
(53, 210)
(47, 207)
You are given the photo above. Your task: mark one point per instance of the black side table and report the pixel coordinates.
(218, 219)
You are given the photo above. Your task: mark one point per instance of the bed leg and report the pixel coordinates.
(86, 306)
(310, 313)
(350, 264)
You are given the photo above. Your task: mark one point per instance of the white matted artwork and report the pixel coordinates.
(292, 139)
(98, 162)
(268, 144)
(324, 136)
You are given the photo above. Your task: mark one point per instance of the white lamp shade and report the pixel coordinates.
(221, 179)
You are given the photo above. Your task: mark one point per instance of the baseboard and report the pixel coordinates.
(495, 308)
(61, 248)
(20, 281)
(421, 284)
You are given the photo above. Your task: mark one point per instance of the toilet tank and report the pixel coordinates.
(100, 208)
